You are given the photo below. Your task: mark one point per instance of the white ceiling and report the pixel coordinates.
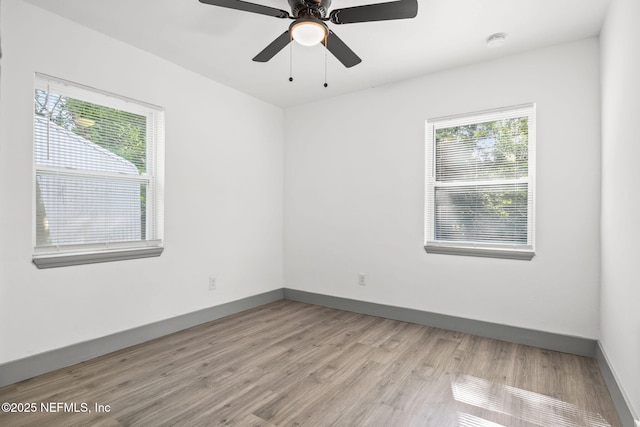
(219, 43)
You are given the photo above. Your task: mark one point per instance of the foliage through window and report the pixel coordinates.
(480, 184)
(98, 175)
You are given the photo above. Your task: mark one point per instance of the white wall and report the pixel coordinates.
(354, 195)
(223, 194)
(620, 43)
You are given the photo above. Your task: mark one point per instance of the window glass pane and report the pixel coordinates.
(482, 151)
(484, 214)
(72, 133)
(74, 210)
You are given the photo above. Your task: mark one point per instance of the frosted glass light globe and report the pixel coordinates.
(308, 33)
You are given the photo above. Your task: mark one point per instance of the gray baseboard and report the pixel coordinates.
(18, 370)
(564, 343)
(622, 406)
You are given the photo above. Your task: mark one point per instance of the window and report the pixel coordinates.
(480, 178)
(98, 176)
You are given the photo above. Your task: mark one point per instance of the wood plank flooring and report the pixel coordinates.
(294, 364)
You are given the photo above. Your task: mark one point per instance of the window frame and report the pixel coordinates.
(474, 248)
(153, 178)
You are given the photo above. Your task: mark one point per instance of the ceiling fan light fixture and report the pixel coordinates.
(308, 32)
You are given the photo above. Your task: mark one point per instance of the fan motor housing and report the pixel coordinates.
(309, 8)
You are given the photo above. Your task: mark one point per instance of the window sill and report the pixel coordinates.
(504, 253)
(79, 258)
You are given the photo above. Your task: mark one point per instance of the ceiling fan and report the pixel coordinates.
(309, 28)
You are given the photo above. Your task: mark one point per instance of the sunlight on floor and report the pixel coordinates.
(522, 404)
(468, 420)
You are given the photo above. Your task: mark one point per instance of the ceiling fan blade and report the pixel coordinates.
(402, 9)
(248, 7)
(341, 51)
(274, 47)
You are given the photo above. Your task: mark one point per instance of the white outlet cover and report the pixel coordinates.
(362, 279)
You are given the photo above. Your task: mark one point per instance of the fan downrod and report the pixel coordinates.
(309, 8)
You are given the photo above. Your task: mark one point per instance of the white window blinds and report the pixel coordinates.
(480, 183)
(98, 162)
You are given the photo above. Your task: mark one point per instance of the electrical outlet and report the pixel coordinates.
(362, 279)
(212, 283)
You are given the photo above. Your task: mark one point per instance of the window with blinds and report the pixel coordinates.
(480, 179)
(98, 184)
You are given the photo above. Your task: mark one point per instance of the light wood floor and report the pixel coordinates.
(289, 364)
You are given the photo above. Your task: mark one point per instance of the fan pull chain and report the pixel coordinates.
(291, 61)
(326, 44)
